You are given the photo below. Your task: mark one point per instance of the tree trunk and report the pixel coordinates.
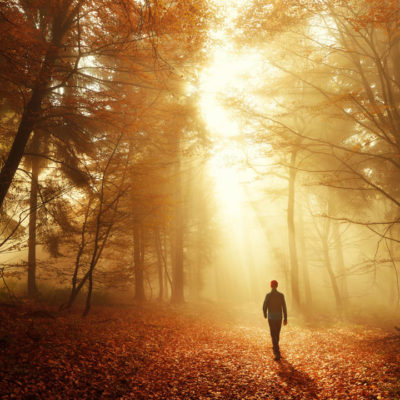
(395, 287)
(177, 295)
(89, 294)
(157, 242)
(177, 290)
(328, 265)
(340, 263)
(20, 141)
(138, 266)
(165, 256)
(198, 267)
(31, 113)
(294, 266)
(304, 259)
(33, 204)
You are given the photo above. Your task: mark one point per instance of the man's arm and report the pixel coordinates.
(265, 306)
(284, 310)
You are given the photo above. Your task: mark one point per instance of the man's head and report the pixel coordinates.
(274, 284)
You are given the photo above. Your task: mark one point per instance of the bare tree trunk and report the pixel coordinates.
(177, 266)
(304, 259)
(81, 249)
(138, 266)
(396, 281)
(20, 141)
(150, 287)
(99, 244)
(177, 292)
(33, 205)
(33, 107)
(294, 266)
(157, 242)
(328, 265)
(340, 263)
(197, 273)
(100, 236)
(89, 294)
(164, 254)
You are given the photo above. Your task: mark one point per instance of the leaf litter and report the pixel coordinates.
(160, 352)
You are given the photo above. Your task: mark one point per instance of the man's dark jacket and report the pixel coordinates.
(274, 304)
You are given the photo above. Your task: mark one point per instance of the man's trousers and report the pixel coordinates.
(275, 329)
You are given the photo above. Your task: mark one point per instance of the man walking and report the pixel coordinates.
(274, 305)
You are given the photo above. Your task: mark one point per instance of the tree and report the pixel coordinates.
(99, 215)
(341, 65)
(49, 45)
(78, 67)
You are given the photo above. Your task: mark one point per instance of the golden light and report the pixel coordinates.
(230, 75)
(233, 76)
(228, 190)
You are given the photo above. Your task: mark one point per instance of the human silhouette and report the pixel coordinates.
(273, 307)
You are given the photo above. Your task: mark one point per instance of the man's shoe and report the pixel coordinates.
(277, 357)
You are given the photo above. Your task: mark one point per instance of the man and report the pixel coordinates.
(273, 306)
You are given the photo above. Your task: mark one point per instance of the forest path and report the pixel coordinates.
(163, 353)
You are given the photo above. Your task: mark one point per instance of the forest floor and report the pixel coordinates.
(160, 352)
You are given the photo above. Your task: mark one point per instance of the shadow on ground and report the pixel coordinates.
(296, 378)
